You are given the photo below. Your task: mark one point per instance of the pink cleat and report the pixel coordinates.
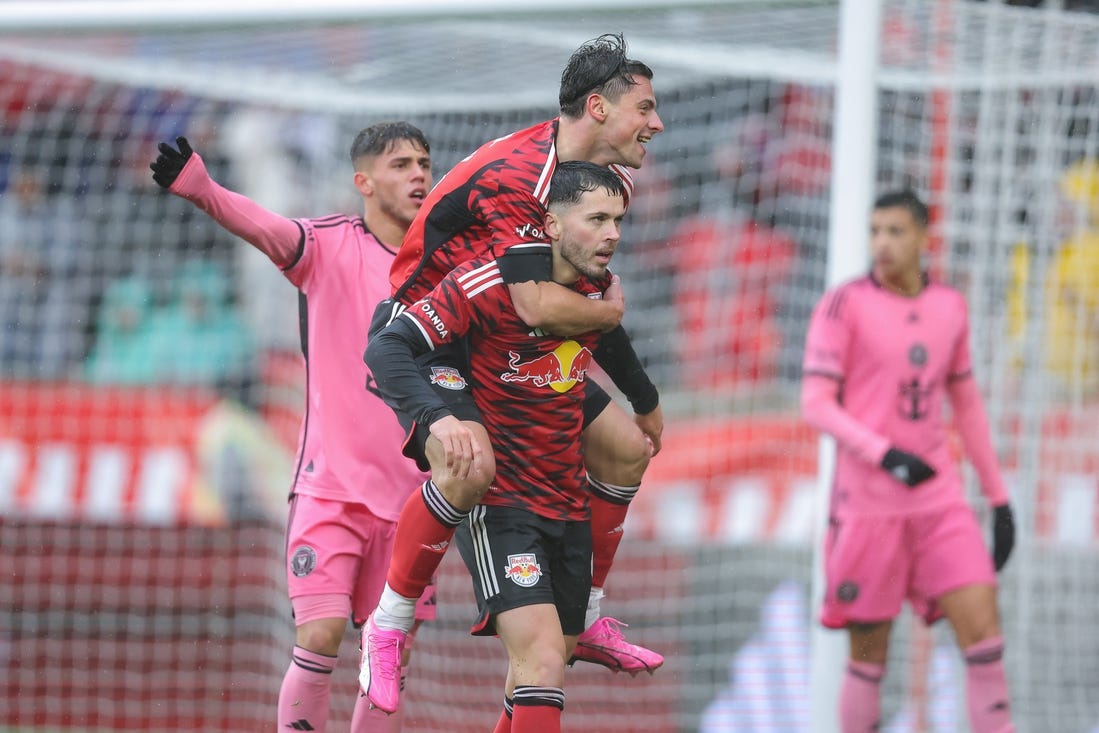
(603, 643)
(380, 666)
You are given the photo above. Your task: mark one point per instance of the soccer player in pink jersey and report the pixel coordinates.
(493, 204)
(349, 485)
(528, 545)
(882, 354)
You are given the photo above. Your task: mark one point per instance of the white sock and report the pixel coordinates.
(593, 612)
(394, 611)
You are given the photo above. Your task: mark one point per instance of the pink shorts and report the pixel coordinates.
(340, 549)
(872, 564)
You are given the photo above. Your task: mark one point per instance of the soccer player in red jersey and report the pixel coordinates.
(528, 544)
(348, 488)
(882, 354)
(493, 204)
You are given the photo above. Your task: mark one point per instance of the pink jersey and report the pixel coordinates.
(350, 444)
(877, 367)
(349, 448)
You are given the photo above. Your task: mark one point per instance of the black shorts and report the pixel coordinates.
(447, 369)
(517, 558)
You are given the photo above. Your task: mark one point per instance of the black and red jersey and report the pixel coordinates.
(526, 383)
(491, 205)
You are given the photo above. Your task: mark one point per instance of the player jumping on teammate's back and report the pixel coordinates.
(492, 204)
(883, 354)
(527, 545)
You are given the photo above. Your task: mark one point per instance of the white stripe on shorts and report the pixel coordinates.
(482, 552)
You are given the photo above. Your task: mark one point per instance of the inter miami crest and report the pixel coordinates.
(303, 561)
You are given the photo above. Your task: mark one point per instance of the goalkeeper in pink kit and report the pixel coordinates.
(350, 479)
(882, 353)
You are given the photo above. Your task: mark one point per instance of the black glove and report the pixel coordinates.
(906, 468)
(1003, 535)
(170, 162)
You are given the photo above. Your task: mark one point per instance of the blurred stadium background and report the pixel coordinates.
(142, 500)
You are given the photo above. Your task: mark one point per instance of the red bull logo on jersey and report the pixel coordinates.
(523, 569)
(448, 378)
(559, 369)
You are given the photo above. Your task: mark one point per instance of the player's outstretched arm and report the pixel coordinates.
(169, 164)
(183, 172)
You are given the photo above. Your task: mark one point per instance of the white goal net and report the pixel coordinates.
(142, 512)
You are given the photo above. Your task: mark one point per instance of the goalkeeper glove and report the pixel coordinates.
(1003, 535)
(167, 166)
(906, 468)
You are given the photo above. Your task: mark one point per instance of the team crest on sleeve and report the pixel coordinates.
(303, 561)
(448, 378)
(523, 569)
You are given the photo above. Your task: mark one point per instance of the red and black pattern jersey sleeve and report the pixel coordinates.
(492, 204)
(445, 313)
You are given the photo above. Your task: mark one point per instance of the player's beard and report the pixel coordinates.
(581, 259)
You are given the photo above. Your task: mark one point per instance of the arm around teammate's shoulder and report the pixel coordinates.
(563, 311)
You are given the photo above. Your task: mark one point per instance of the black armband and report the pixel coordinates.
(524, 263)
(616, 355)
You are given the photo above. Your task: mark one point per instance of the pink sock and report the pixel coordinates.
(368, 720)
(860, 697)
(303, 699)
(365, 719)
(986, 687)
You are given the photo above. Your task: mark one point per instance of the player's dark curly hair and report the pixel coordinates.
(600, 66)
(379, 138)
(574, 178)
(905, 199)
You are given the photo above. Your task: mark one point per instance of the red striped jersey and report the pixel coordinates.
(491, 205)
(526, 383)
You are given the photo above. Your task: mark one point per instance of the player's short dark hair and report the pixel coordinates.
(379, 138)
(600, 66)
(574, 178)
(905, 199)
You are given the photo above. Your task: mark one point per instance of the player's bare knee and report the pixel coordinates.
(541, 665)
(465, 493)
(636, 453)
(977, 628)
(869, 641)
(625, 463)
(321, 637)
